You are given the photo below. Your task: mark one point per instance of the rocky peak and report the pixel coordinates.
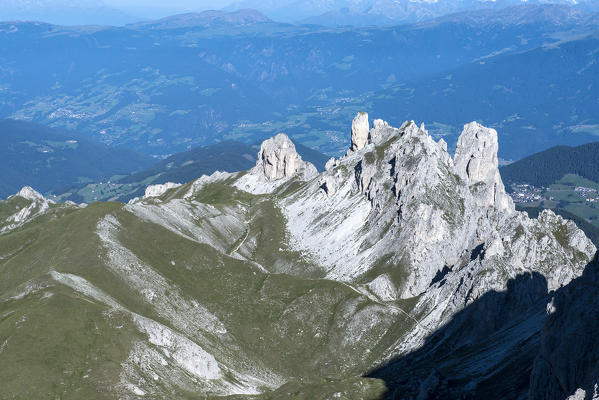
(28, 193)
(159, 190)
(20, 213)
(278, 158)
(277, 161)
(359, 131)
(403, 191)
(476, 162)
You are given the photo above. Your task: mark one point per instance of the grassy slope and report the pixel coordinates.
(72, 347)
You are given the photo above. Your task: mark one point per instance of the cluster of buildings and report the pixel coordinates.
(525, 193)
(589, 194)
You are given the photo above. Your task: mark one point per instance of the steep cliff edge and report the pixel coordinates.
(568, 360)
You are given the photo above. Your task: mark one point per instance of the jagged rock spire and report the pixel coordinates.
(360, 130)
(277, 160)
(278, 157)
(476, 161)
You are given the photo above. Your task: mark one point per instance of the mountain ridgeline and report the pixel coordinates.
(397, 272)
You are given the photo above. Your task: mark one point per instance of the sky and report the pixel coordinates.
(139, 7)
(111, 11)
(202, 4)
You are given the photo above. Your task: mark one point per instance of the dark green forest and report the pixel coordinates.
(549, 166)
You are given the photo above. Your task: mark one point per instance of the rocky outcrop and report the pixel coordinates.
(431, 227)
(568, 362)
(159, 190)
(329, 186)
(277, 161)
(278, 158)
(28, 193)
(476, 162)
(23, 207)
(359, 131)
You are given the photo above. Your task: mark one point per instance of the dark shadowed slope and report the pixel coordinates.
(523, 343)
(568, 361)
(485, 351)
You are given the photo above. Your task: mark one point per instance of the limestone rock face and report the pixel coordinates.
(159, 190)
(278, 157)
(329, 186)
(403, 207)
(35, 205)
(476, 161)
(277, 162)
(28, 193)
(359, 131)
(330, 164)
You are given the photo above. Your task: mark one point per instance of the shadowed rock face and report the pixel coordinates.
(524, 343)
(485, 351)
(568, 361)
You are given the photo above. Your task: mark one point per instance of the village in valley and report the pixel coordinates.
(572, 193)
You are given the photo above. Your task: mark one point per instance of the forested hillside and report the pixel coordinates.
(549, 166)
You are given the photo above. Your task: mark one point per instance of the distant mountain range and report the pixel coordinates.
(382, 12)
(320, 12)
(206, 19)
(74, 12)
(46, 158)
(164, 87)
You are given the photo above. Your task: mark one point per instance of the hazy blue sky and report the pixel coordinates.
(100, 11)
(183, 4)
(153, 7)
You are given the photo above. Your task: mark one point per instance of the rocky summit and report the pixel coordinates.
(278, 159)
(398, 272)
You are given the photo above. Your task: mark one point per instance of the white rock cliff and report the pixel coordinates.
(278, 161)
